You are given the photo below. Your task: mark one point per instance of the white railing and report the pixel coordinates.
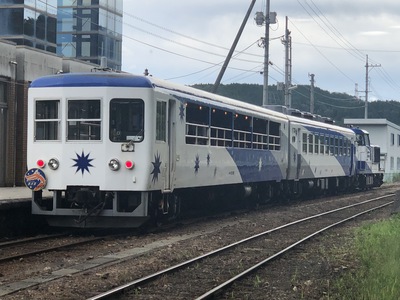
(199, 134)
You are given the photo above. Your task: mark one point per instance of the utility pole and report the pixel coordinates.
(312, 93)
(228, 58)
(267, 19)
(266, 55)
(367, 66)
(287, 41)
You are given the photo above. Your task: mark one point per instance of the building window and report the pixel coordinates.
(398, 164)
(161, 121)
(392, 139)
(47, 120)
(84, 121)
(391, 163)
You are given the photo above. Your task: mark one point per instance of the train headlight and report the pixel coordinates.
(53, 163)
(114, 164)
(41, 163)
(129, 164)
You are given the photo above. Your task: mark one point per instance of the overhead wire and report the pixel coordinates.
(323, 20)
(354, 51)
(341, 40)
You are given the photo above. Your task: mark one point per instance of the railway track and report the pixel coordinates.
(230, 264)
(22, 248)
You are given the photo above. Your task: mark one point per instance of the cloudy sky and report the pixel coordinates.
(187, 42)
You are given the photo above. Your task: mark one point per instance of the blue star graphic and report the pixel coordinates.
(156, 167)
(82, 162)
(197, 164)
(182, 111)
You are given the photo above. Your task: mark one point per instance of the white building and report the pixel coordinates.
(387, 135)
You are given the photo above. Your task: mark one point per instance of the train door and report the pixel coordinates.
(294, 159)
(171, 143)
(298, 155)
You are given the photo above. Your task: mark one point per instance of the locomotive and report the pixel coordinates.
(118, 150)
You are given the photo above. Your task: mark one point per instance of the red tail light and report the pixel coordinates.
(129, 164)
(40, 163)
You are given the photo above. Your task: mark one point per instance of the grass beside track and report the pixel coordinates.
(377, 250)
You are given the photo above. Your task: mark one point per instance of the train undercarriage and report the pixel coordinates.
(91, 208)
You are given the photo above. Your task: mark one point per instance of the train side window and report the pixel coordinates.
(126, 120)
(197, 124)
(305, 142)
(327, 145)
(47, 120)
(242, 131)
(321, 143)
(161, 121)
(332, 146)
(336, 146)
(221, 128)
(310, 143)
(84, 120)
(260, 133)
(274, 136)
(316, 145)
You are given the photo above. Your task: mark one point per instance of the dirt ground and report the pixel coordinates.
(308, 272)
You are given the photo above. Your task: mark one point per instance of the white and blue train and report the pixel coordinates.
(117, 149)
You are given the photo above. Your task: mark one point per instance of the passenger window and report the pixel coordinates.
(197, 124)
(161, 121)
(47, 120)
(305, 142)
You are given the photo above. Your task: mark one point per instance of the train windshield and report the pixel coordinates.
(126, 120)
(363, 139)
(84, 120)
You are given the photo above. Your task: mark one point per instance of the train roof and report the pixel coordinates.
(92, 79)
(109, 79)
(359, 130)
(112, 79)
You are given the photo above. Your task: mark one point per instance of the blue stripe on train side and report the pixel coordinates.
(92, 79)
(346, 161)
(256, 165)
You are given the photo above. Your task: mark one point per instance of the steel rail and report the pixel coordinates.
(31, 239)
(227, 283)
(49, 249)
(176, 267)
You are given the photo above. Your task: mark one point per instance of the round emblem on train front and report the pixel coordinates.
(35, 179)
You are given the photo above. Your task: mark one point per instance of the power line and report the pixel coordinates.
(320, 52)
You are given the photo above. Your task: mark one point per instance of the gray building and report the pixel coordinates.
(387, 135)
(30, 23)
(19, 66)
(90, 30)
(42, 37)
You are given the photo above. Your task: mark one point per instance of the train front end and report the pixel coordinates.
(367, 158)
(87, 141)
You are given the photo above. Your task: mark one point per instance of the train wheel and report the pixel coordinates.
(174, 209)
